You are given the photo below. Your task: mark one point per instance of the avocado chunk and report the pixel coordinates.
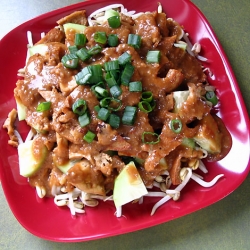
(21, 110)
(29, 161)
(37, 49)
(179, 97)
(64, 168)
(72, 27)
(128, 185)
(209, 136)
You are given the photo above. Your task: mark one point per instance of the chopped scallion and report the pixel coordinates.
(114, 121)
(111, 65)
(96, 74)
(124, 58)
(101, 91)
(72, 49)
(114, 22)
(89, 136)
(95, 50)
(153, 56)
(84, 119)
(134, 40)
(83, 54)
(70, 61)
(176, 125)
(83, 76)
(97, 108)
(150, 138)
(103, 114)
(127, 74)
(43, 106)
(100, 37)
(110, 79)
(135, 86)
(79, 107)
(145, 106)
(113, 40)
(80, 39)
(129, 115)
(115, 91)
(111, 103)
(147, 96)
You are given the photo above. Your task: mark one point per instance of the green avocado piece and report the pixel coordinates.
(78, 28)
(21, 110)
(38, 49)
(64, 168)
(179, 97)
(128, 185)
(29, 164)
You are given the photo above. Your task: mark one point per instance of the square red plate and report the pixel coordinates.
(41, 217)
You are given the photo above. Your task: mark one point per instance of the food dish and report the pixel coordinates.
(115, 226)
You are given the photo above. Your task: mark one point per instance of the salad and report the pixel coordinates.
(119, 108)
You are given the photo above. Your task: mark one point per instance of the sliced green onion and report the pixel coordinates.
(124, 58)
(83, 54)
(73, 49)
(79, 107)
(145, 106)
(109, 78)
(189, 142)
(96, 74)
(153, 56)
(83, 76)
(129, 115)
(111, 65)
(111, 103)
(113, 40)
(147, 96)
(80, 39)
(116, 74)
(84, 120)
(115, 91)
(89, 136)
(97, 108)
(100, 37)
(101, 85)
(135, 86)
(95, 50)
(103, 114)
(134, 40)
(114, 22)
(211, 97)
(43, 106)
(150, 138)
(101, 91)
(70, 61)
(114, 121)
(127, 74)
(176, 125)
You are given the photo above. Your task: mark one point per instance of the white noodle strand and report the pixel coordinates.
(19, 138)
(179, 188)
(204, 183)
(30, 40)
(202, 167)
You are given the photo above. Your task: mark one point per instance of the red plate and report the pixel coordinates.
(41, 217)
